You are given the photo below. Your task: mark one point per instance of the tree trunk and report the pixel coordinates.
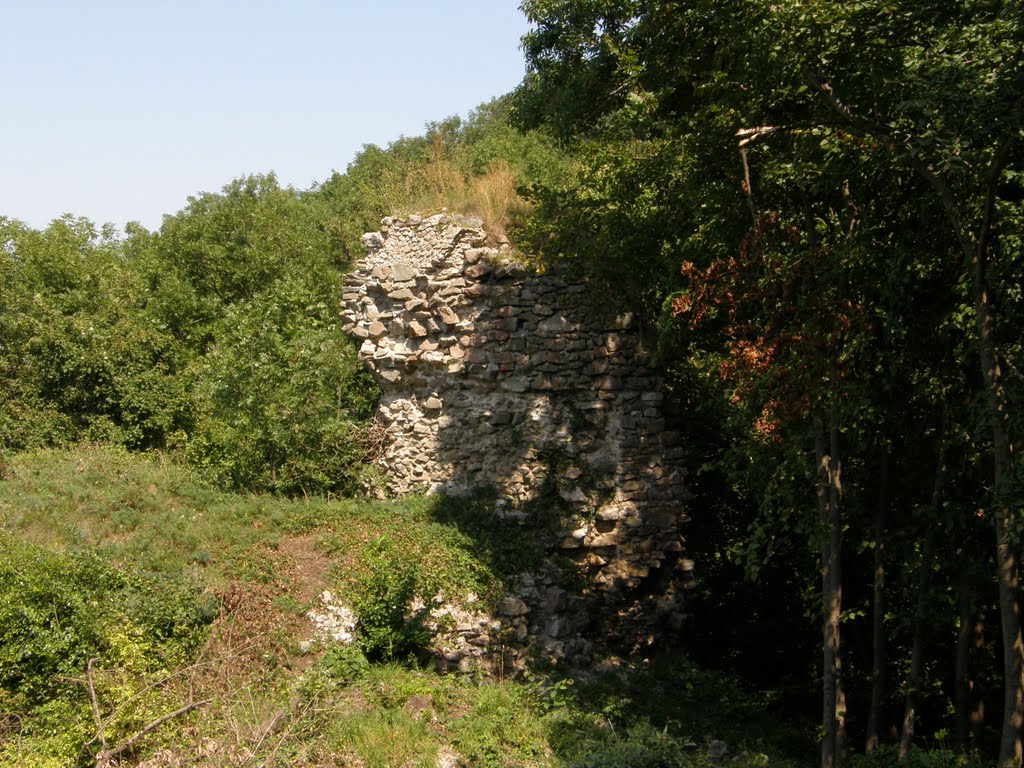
(878, 614)
(917, 644)
(923, 585)
(829, 497)
(977, 695)
(1006, 557)
(962, 673)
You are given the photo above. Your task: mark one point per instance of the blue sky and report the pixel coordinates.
(118, 110)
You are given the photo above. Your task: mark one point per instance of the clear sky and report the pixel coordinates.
(118, 110)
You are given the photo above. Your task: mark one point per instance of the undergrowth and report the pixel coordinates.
(143, 613)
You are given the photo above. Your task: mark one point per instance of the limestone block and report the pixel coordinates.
(402, 271)
(556, 323)
(513, 606)
(372, 241)
(448, 315)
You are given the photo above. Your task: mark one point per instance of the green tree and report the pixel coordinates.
(82, 358)
(695, 120)
(280, 396)
(278, 390)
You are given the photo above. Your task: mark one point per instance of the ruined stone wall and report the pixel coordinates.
(495, 377)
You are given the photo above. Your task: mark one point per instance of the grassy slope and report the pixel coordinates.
(266, 560)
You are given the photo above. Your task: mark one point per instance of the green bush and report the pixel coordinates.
(343, 663)
(280, 398)
(57, 611)
(389, 627)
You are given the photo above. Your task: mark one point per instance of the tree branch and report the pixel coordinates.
(95, 705)
(747, 188)
(104, 756)
(998, 163)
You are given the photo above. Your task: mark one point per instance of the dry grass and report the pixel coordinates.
(440, 185)
(493, 197)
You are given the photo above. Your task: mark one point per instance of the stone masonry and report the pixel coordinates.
(500, 379)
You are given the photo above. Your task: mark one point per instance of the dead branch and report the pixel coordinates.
(95, 705)
(747, 189)
(105, 756)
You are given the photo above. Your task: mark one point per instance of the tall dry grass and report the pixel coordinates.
(493, 197)
(439, 184)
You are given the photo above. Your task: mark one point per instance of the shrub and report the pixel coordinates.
(280, 398)
(390, 628)
(59, 610)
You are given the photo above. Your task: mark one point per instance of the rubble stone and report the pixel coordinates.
(542, 393)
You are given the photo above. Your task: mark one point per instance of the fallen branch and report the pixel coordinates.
(105, 756)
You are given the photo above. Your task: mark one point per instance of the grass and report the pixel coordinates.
(439, 185)
(268, 700)
(384, 738)
(156, 516)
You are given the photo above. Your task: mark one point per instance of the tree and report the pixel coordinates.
(82, 358)
(706, 117)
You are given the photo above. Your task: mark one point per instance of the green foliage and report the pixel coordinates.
(59, 610)
(641, 746)
(938, 757)
(278, 391)
(232, 246)
(390, 628)
(51, 738)
(280, 397)
(344, 663)
(217, 335)
(839, 185)
(123, 535)
(81, 358)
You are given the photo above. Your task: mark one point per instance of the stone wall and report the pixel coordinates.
(496, 378)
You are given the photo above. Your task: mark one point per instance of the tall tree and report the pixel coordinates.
(693, 119)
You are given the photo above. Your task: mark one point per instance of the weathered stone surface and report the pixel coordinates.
(372, 241)
(513, 606)
(448, 315)
(494, 377)
(403, 271)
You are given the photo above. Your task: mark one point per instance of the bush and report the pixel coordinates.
(280, 399)
(389, 627)
(59, 610)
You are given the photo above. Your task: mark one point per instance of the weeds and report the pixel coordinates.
(186, 595)
(390, 627)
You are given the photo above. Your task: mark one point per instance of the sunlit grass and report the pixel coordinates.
(271, 703)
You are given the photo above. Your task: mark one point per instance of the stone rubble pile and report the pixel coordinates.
(496, 377)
